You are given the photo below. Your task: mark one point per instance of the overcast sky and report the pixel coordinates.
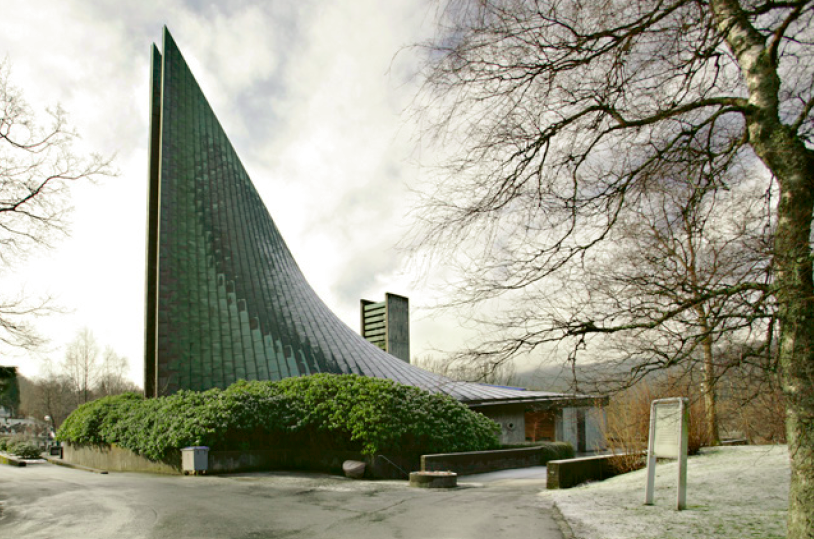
(311, 94)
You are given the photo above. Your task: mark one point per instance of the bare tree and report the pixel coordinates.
(58, 391)
(752, 405)
(676, 247)
(113, 374)
(562, 117)
(498, 372)
(37, 165)
(50, 395)
(81, 365)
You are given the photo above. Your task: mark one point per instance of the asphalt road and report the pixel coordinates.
(47, 501)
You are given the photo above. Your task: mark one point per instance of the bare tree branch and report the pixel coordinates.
(37, 165)
(633, 181)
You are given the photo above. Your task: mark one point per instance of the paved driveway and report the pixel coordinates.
(47, 501)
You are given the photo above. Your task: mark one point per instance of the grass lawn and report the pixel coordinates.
(733, 492)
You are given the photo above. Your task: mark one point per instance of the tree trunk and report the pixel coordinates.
(792, 164)
(796, 354)
(710, 399)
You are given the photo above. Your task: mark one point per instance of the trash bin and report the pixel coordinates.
(195, 459)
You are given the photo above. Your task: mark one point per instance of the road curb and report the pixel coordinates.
(562, 523)
(11, 461)
(60, 462)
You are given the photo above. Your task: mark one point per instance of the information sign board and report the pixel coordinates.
(669, 431)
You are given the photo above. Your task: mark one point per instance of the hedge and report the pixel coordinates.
(353, 412)
(556, 451)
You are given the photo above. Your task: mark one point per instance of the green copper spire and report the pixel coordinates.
(225, 298)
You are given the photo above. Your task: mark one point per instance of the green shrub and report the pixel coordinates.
(94, 422)
(556, 451)
(341, 412)
(25, 450)
(382, 415)
(3, 443)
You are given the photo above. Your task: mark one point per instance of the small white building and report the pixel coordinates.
(577, 419)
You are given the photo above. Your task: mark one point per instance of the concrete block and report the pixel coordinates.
(11, 461)
(572, 472)
(482, 461)
(434, 479)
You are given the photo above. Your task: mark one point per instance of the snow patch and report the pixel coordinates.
(732, 493)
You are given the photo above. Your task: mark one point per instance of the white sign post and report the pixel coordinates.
(669, 430)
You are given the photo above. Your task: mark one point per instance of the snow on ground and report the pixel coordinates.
(733, 492)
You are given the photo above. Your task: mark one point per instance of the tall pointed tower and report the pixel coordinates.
(225, 298)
